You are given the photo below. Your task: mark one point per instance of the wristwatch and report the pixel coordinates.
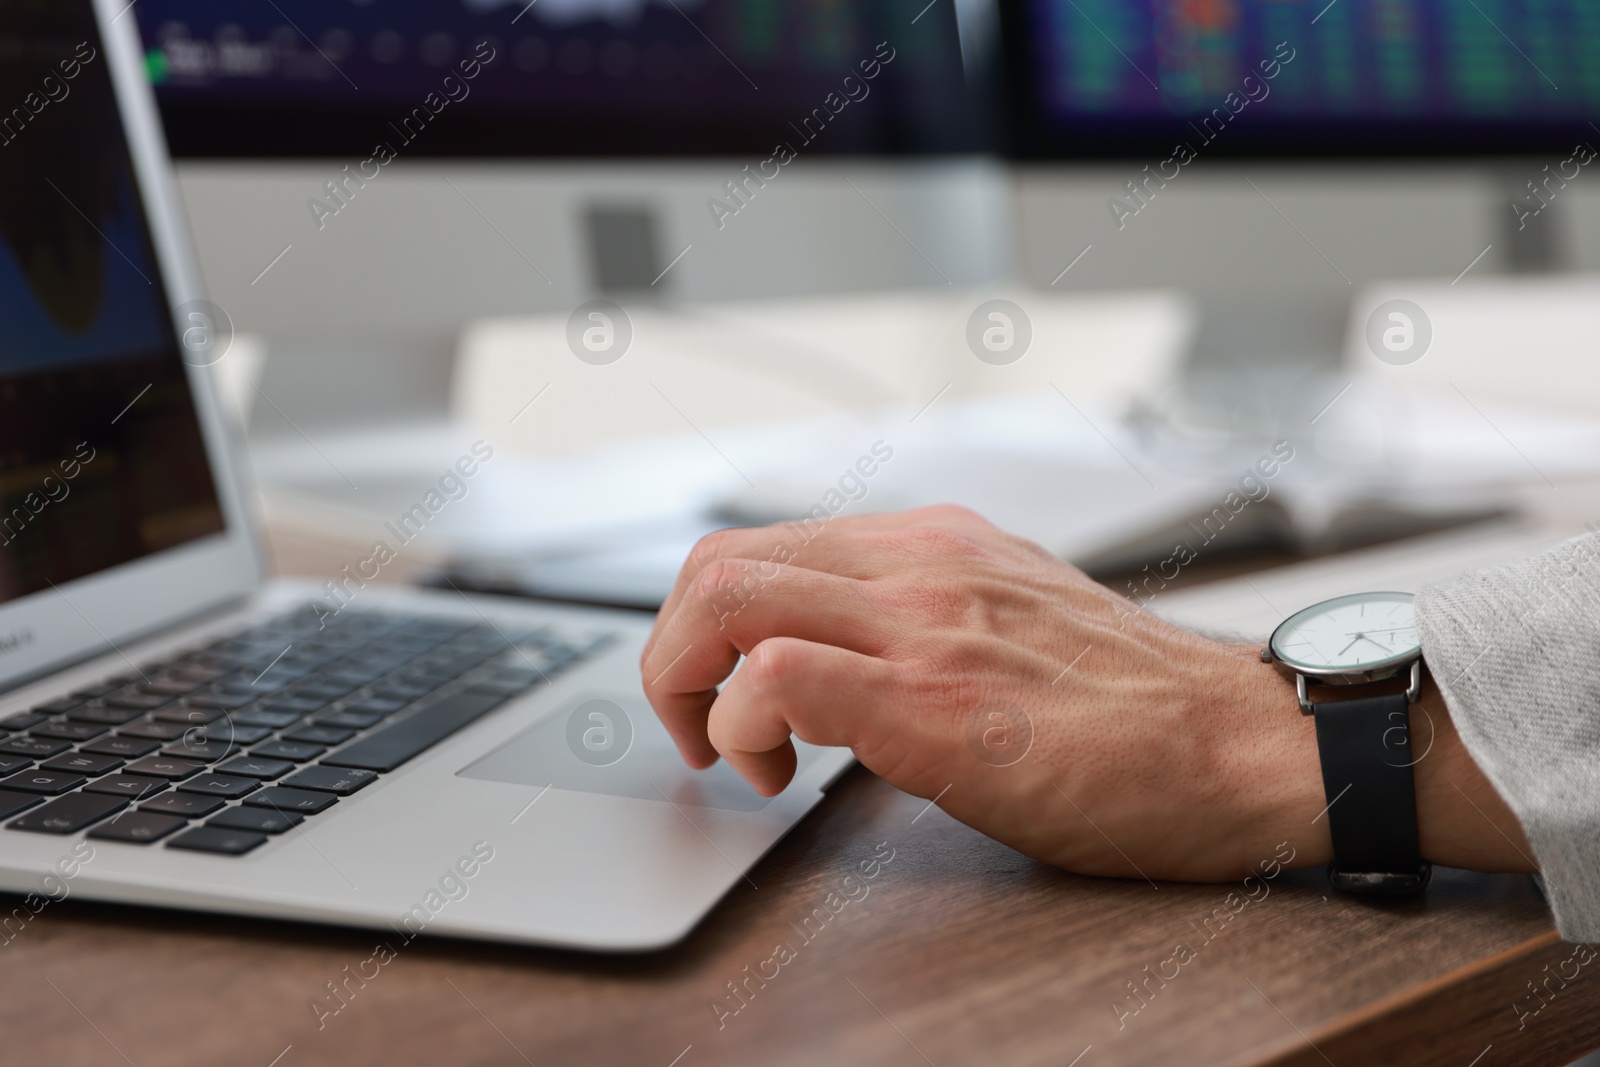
(1344, 646)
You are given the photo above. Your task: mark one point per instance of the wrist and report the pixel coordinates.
(1461, 820)
(1277, 776)
(1274, 790)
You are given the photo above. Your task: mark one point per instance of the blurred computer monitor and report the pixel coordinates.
(1308, 78)
(364, 176)
(1270, 156)
(556, 78)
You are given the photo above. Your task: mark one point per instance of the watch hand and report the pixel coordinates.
(1347, 648)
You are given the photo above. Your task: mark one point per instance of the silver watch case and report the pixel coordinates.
(1381, 670)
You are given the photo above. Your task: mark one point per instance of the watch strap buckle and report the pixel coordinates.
(1381, 883)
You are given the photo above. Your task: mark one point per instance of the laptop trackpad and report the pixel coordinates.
(615, 745)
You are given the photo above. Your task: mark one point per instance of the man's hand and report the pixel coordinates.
(959, 662)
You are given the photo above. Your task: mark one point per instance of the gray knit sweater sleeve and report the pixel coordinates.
(1515, 650)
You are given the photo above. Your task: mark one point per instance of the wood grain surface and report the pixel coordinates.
(960, 952)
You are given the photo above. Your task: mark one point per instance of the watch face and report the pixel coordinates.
(1359, 634)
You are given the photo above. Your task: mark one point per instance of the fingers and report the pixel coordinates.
(821, 694)
(702, 641)
(799, 543)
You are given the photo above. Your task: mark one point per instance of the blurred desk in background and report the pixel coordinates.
(962, 952)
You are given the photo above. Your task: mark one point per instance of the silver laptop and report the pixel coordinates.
(176, 731)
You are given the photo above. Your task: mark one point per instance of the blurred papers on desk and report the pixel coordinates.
(604, 475)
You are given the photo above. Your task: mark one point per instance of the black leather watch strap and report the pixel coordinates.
(1365, 746)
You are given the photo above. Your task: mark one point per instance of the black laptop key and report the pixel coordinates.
(379, 662)
(189, 716)
(348, 720)
(289, 750)
(138, 701)
(271, 718)
(256, 767)
(293, 670)
(430, 682)
(257, 820)
(68, 815)
(226, 786)
(376, 705)
(89, 763)
(203, 750)
(317, 689)
(156, 731)
(12, 802)
(399, 692)
(166, 767)
(239, 735)
(340, 780)
(194, 672)
(216, 839)
(49, 783)
(117, 745)
(13, 764)
(109, 716)
(354, 678)
(56, 707)
(285, 710)
(319, 735)
(69, 731)
(225, 701)
(22, 720)
(94, 691)
(138, 827)
(171, 686)
(249, 692)
(304, 801)
(133, 786)
(390, 746)
(185, 805)
(34, 747)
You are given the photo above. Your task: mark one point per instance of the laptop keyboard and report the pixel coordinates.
(219, 748)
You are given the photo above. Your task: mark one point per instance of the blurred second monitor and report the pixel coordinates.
(1350, 78)
(1273, 155)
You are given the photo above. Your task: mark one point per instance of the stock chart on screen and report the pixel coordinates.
(1309, 77)
(555, 77)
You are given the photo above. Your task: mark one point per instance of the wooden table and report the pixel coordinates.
(961, 952)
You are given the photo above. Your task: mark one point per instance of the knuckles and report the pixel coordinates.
(938, 603)
(711, 547)
(940, 543)
(770, 665)
(724, 584)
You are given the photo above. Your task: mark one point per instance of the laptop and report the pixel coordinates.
(178, 731)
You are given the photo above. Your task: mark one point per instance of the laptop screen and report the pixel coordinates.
(101, 456)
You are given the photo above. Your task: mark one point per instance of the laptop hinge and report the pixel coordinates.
(214, 611)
